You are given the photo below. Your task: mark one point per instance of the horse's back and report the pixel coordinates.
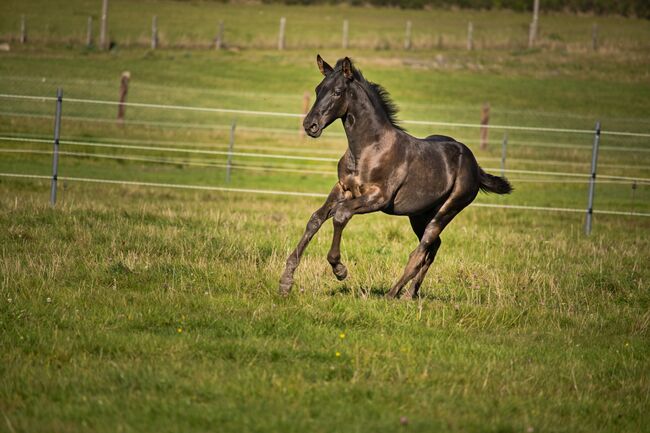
(439, 138)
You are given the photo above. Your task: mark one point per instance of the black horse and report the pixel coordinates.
(385, 169)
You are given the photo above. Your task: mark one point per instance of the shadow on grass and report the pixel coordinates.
(372, 292)
(379, 292)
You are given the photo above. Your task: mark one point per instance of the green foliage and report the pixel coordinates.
(636, 8)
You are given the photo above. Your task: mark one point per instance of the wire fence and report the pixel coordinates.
(297, 159)
(237, 26)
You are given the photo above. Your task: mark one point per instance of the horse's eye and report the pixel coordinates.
(337, 92)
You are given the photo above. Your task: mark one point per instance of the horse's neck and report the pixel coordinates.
(365, 124)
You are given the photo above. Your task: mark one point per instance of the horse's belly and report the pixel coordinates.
(415, 201)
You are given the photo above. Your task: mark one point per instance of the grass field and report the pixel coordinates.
(152, 309)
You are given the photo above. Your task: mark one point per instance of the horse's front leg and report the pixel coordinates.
(315, 222)
(371, 201)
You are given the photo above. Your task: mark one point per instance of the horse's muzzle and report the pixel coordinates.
(313, 129)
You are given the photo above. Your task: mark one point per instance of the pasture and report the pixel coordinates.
(131, 308)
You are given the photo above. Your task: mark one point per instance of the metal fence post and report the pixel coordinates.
(55, 155)
(592, 180)
(503, 154)
(230, 149)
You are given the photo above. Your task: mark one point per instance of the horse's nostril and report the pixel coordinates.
(313, 127)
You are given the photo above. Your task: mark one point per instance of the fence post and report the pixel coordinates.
(346, 29)
(55, 154)
(23, 30)
(230, 150)
(154, 32)
(485, 120)
(470, 36)
(532, 32)
(503, 154)
(103, 42)
(407, 38)
(124, 89)
(594, 37)
(218, 42)
(89, 32)
(283, 23)
(592, 180)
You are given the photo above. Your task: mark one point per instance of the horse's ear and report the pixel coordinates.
(347, 68)
(323, 67)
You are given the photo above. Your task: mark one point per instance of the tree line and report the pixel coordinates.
(631, 8)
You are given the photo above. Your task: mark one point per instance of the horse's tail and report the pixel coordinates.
(491, 183)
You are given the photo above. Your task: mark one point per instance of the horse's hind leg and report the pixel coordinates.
(419, 224)
(416, 282)
(430, 242)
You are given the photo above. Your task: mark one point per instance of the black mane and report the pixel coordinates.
(377, 93)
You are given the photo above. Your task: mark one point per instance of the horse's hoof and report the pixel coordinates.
(341, 272)
(390, 295)
(285, 287)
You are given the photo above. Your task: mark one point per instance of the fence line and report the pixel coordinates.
(165, 124)
(526, 143)
(171, 161)
(177, 149)
(240, 166)
(299, 194)
(295, 115)
(109, 84)
(293, 157)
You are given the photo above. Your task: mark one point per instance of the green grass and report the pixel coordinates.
(146, 309)
(139, 309)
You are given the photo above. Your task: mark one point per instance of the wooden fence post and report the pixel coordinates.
(407, 37)
(532, 33)
(23, 30)
(103, 32)
(305, 109)
(89, 32)
(470, 36)
(485, 120)
(154, 32)
(346, 29)
(283, 23)
(218, 42)
(124, 89)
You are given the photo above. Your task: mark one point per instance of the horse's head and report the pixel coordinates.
(332, 96)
